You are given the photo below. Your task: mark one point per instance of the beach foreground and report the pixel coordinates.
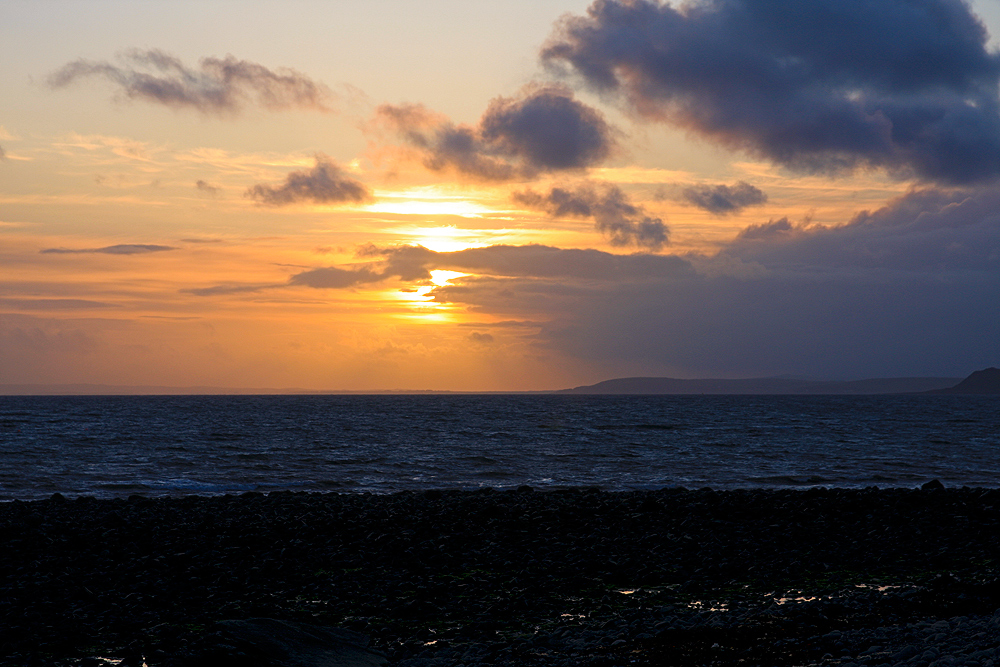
(573, 577)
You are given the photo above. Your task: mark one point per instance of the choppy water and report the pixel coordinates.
(156, 445)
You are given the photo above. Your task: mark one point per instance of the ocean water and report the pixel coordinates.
(180, 445)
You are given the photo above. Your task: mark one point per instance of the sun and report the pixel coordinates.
(422, 298)
(441, 277)
(428, 201)
(446, 239)
(465, 209)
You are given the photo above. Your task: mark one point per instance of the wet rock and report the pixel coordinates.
(264, 642)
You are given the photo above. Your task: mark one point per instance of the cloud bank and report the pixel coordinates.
(908, 85)
(723, 199)
(908, 289)
(325, 183)
(928, 231)
(121, 249)
(218, 86)
(543, 129)
(415, 263)
(623, 222)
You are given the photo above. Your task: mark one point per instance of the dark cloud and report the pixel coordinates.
(506, 324)
(326, 183)
(905, 84)
(772, 229)
(51, 304)
(925, 231)
(532, 262)
(837, 325)
(217, 290)
(909, 289)
(481, 338)
(121, 249)
(415, 263)
(3, 155)
(543, 129)
(623, 222)
(724, 199)
(206, 187)
(335, 278)
(217, 86)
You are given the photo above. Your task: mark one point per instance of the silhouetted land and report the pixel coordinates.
(659, 385)
(574, 577)
(986, 381)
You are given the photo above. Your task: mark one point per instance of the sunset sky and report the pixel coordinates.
(517, 195)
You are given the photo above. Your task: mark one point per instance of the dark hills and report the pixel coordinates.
(659, 385)
(986, 381)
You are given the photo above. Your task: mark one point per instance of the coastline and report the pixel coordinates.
(577, 576)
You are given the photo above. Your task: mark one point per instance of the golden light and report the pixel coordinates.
(465, 209)
(417, 296)
(441, 277)
(445, 239)
(422, 299)
(429, 201)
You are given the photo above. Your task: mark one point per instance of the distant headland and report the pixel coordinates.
(986, 381)
(980, 382)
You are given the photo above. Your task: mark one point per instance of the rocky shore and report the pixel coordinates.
(447, 578)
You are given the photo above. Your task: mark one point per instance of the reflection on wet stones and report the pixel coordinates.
(510, 578)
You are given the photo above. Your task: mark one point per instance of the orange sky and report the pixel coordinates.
(382, 196)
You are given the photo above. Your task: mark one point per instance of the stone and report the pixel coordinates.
(265, 642)
(905, 654)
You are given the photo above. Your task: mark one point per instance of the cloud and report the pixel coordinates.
(415, 263)
(217, 290)
(206, 187)
(218, 86)
(623, 222)
(908, 289)
(481, 338)
(532, 261)
(28, 343)
(336, 278)
(3, 155)
(542, 129)
(121, 249)
(723, 199)
(909, 85)
(20, 303)
(928, 230)
(325, 183)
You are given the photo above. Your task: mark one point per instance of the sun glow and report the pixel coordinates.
(445, 239)
(440, 277)
(427, 202)
(421, 303)
(422, 296)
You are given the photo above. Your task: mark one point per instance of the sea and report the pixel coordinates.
(155, 446)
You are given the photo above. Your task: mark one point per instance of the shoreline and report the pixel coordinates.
(574, 576)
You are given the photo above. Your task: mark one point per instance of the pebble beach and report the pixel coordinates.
(516, 577)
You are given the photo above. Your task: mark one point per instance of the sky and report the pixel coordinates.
(496, 196)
